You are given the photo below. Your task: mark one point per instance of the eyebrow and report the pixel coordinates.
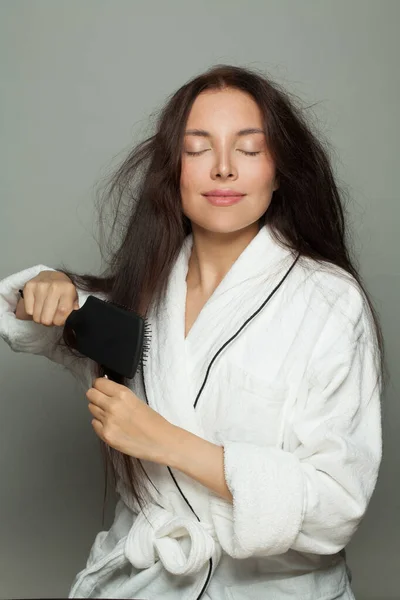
(203, 133)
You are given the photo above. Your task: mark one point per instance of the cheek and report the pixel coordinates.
(193, 174)
(261, 176)
(185, 177)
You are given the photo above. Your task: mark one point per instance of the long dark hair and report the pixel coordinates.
(149, 227)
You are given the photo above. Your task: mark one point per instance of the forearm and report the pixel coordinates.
(199, 459)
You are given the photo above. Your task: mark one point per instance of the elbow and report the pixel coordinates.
(329, 529)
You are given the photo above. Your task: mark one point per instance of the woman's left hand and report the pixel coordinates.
(127, 424)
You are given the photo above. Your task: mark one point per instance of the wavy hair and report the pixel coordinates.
(307, 211)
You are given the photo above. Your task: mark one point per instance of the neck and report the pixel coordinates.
(212, 256)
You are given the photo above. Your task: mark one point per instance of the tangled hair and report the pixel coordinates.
(306, 212)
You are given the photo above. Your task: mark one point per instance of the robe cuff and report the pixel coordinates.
(269, 496)
(21, 335)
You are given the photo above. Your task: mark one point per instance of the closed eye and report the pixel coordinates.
(195, 153)
(201, 152)
(250, 153)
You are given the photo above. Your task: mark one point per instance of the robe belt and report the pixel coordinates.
(156, 536)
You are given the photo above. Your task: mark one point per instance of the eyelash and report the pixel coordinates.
(201, 152)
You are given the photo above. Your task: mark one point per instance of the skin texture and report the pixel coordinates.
(48, 299)
(220, 234)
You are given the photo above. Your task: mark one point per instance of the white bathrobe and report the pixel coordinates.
(279, 369)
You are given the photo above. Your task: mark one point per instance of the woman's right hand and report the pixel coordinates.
(49, 298)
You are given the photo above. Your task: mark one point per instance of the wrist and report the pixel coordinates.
(185, 449)
(199, 459)
(172, 446)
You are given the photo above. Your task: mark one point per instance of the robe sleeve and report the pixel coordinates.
(31, 337)
(314, 498)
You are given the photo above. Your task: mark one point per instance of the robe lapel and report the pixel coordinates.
(244, 288)
(173, 376)
(176, 367)
(165, 372)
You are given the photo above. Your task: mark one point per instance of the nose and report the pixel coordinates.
(224, 167)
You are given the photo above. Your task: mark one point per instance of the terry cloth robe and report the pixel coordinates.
(279, 369)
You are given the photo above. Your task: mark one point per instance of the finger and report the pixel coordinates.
(40, 293)
(96, 411)
(98, 428)
(49, 305)
(98, 398)
(107, 386)
(29, 299)
(64, 308)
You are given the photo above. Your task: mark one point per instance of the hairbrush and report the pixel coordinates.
(112, 335)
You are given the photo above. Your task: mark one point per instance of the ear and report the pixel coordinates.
(276, 181)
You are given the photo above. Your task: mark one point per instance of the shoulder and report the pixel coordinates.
(335, 293)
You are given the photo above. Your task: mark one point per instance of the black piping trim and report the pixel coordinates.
(240, 329)
(198, 396)
(182, 494)
(203, 589)
(207, 581)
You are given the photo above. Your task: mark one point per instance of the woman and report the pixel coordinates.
(247, 452)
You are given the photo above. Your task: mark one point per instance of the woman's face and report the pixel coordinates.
(222, 161)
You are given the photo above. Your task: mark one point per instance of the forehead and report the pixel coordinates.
(223, 109)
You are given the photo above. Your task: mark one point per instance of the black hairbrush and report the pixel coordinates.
(112, 335)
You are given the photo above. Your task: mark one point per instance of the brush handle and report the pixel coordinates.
(112, 375)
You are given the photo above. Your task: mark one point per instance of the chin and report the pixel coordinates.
(225, 226)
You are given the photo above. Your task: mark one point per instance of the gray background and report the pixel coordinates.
(79, 81)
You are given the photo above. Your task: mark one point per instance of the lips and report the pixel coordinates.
(223, 200)
(223, 193)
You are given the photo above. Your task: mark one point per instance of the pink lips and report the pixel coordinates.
(223, 197)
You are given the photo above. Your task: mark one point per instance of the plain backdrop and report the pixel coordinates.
(80, 82)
